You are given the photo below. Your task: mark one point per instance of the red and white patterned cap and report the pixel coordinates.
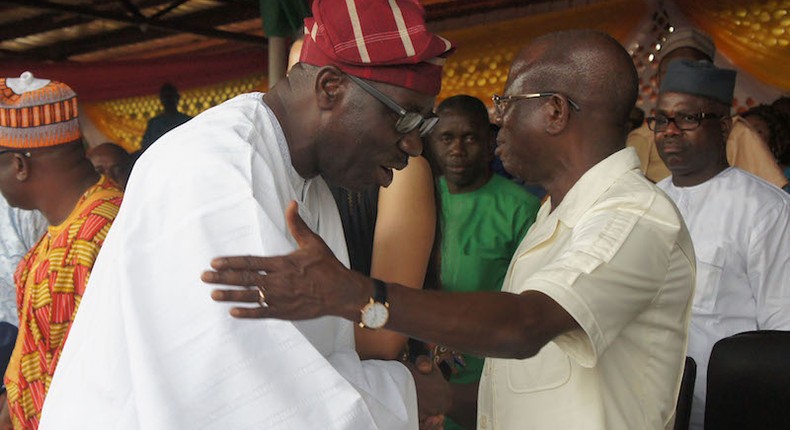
(380, 40)
(36, 113)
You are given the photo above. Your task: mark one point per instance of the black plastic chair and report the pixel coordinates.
(749, 382)
(7, 340)
(686, 395)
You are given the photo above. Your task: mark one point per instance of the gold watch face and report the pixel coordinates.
(375, 315)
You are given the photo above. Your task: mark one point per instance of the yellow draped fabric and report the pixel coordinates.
(480, 65)
(123, 121)
(754, 34)
(478, 68)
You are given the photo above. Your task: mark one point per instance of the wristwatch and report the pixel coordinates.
(376, 312)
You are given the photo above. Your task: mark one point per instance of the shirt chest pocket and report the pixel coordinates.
(551, 370)
(710, 264)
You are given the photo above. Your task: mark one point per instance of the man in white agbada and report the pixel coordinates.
(739, 223)
(149, 349)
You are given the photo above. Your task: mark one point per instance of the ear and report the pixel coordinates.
(329, 86)
(557, 112)
(21, 166)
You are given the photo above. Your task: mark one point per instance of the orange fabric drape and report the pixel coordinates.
(753, 34)
(480, 65)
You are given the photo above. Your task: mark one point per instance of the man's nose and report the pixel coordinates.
(672, 128)
(457, 146)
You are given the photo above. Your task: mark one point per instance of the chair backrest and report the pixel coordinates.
(686, 395)
(7, 341)
(749, 382)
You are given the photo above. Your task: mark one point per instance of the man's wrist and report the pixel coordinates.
(361, 289)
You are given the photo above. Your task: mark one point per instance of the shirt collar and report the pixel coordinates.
(586, 191)
(299, 184)
(700, 186)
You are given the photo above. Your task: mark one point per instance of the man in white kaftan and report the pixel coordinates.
(163, 355)
(149, 349)
(739, 223)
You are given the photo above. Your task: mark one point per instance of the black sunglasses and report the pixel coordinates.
(408, 121)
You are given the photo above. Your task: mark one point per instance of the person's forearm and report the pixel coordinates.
(404, 234)
(503, 325)
(379, 344)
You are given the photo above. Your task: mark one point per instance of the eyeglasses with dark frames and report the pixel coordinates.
(25, 154)
(683, 121)
(501, 102)
(407, 121)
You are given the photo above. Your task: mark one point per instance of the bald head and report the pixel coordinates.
(566, 107)
(588, 66)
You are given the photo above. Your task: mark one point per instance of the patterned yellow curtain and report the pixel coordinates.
(753, 34)
(480, 65)
(123, 121)
(478, 68)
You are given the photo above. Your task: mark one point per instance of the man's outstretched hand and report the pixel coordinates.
(308, 283)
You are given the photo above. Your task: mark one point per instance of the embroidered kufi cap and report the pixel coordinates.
(379, 40)
(699, 78)
(690, 37)
(37, 113)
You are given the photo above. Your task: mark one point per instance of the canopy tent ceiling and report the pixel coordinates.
(102, 30)
(117, 53)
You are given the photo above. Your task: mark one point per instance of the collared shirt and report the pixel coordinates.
(19, 230)
(149, 348)
(616, 256)
(740, 226)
